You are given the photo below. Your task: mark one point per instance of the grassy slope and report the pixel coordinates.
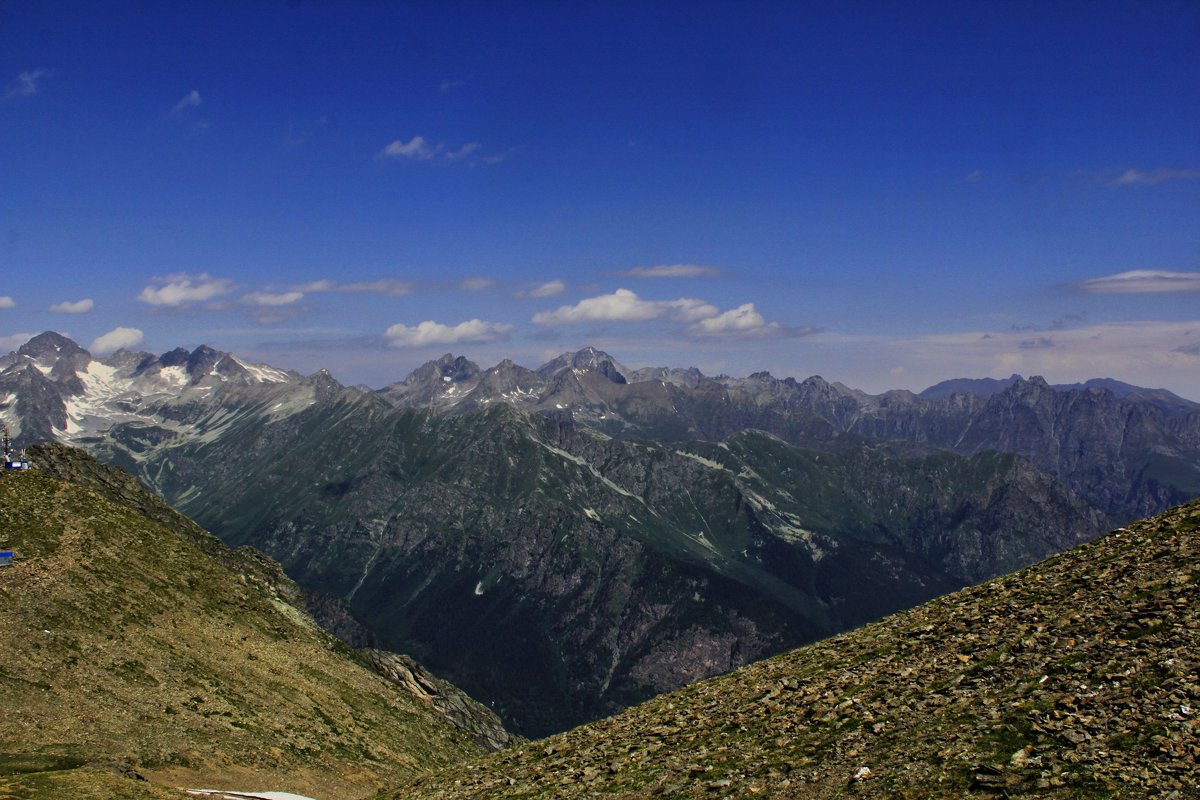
(126, 644)
(1074, 678)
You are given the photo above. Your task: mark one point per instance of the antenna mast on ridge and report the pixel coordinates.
(9, 462)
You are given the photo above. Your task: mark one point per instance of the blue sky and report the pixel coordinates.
(884, 194)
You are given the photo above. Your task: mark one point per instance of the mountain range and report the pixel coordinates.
(566, 541)
(145, 655)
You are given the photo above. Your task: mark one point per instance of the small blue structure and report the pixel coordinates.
(6, 558)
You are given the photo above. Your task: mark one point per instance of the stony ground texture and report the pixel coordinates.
(1074, 678)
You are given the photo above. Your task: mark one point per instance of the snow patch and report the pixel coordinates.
(592, 515)
(224, 794)
(262, 373)
(595, 472)
(702, 460)
(174, 376)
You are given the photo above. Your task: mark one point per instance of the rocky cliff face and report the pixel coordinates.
(478, 721)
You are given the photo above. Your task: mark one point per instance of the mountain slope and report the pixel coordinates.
(1074, 678)
(563, 574)
(569, 541)
(133, 638)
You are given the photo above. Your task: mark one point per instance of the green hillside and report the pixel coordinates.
(136, 643)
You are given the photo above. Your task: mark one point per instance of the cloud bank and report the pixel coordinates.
(672, 271)
(701, 317)
(114, 340)
(1134, 177)
(182, 289)
(1142, 281)
(418, 148)
(273, 298)
(27, 84)
(388, 288)
(189, 100)
(79, 307)
(434, 333)
(476, 284)
(547, 289)
(14, 341)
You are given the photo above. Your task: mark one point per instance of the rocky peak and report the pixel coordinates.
(610, 371)
(202, 361)
(51, 345)
(126, 361)
(321, 379)
(58, 357)
(175, 358)
(456, 368)
(586, 358)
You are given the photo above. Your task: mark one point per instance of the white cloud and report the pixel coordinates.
(625, 306)
(189, 100)
(273, 298)
(741, 320)
(464, 151)
(115, 339)
(547, 289)
(1133, 177)
(7, 302)
(498, 158)
(80, 307)
(317, 286)
(389, 287)
(435, 333)
(476, 284)
(415, 147)
(26, 84)
(182, 289)
(14, 341)
(1142, 281)
(421, 149)
(620, 306)
(688, 309)
(672, 271)
(975, 176)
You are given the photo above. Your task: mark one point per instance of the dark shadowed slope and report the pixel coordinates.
(1073, 678)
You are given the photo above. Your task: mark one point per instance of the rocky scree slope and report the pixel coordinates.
(137, 643)
(1078, 677)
